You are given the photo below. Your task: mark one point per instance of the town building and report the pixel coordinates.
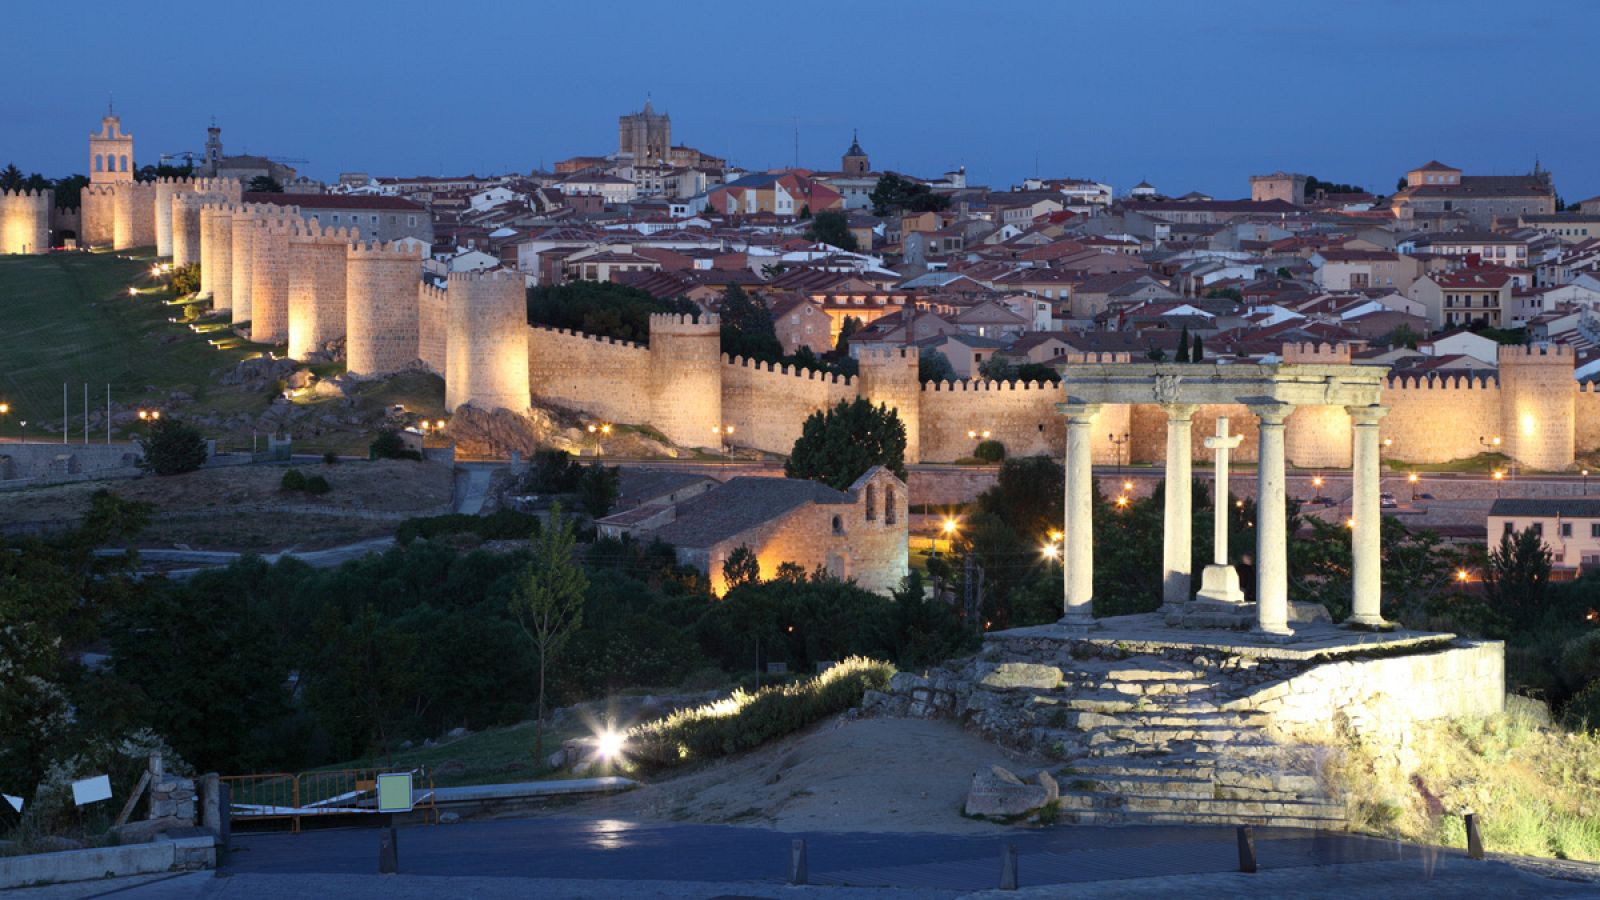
(1569, 527)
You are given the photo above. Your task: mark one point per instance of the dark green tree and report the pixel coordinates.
(264, 184)
(1183, 345)
(1517, 576)
(896, 194)
(839, 444)
(601, 308)
(172, 448)
(390, 445)
(11, 178)
(599, 488)
(740, 568)
(934, 366)
(747, 327)
(832, 227)
(849, 326)
(1197, 353)
(549, 604)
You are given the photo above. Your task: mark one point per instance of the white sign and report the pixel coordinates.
(91, 790)
(16, 802)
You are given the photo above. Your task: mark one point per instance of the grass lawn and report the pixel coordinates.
(68, 317)
(493, 756)
(1481, 464)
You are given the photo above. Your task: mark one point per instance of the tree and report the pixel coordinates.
(390, 445)
(264, 184)
(1400, 184)
(1314, 184)
(838, 445)
(1197, 353)
(549, 604)
(1403, 336)
(172, 448)
(11, 178)
(832, 227)
(605, 308)
(849, 326)
(740, 568)
(747, 327)
(934, 366)
(185, 280)
(1183, 345)
(898, 194)
(599, 488)
(1518, 574)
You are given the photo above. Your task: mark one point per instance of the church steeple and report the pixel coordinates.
(855, 160)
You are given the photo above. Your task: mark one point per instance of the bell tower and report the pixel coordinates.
(110, 152)
(855, 160)
(213, 148)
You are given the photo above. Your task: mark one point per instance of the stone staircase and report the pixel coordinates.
(1144, 737)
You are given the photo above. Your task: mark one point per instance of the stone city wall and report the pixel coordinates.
(242, 261)
(134, 215)
(216, 255)
(487, 341)
(433, 338)
(317, 283)
(269, 276)
(767, 403)
(25, 221)
(685, 384)
(606, 378)
(97, 215)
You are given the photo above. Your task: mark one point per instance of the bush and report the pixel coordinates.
(390, 445)
(1583, 711)
(743, 720)
(172, 448)
(185, 280)
(330, 458)
(990, 451)
(500, 525)
(293, 480)
(316, 486)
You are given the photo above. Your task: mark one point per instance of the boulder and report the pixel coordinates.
(449, 818)
(998, 794)
(458, 731)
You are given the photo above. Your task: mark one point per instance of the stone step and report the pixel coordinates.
(1228, 769)
(1119, 701)
(1145, 670)
(1142, 688)
(1110, 746)
(1139, 784)
(1155, 804)
(1162, 718)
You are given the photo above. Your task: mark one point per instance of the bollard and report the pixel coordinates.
(1008, 868)
(1247, 849)
(797, 861)
(388, 852)
(1474, 838)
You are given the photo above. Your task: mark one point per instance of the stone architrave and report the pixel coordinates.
(1220, 581)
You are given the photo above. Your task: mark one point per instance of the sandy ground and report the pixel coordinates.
(839, 775)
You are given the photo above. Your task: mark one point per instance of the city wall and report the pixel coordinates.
(25, 221)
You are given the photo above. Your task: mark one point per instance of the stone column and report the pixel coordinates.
(1176, 547)
(1272, 535)
(1366, 566)
(1220, 581)
(1078, 539)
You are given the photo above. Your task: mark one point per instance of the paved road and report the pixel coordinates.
(581, 858)
(472, 486)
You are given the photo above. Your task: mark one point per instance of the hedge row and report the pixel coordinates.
(500, 525)
(743, 720)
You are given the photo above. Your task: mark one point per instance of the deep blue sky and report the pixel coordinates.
(1191, 94)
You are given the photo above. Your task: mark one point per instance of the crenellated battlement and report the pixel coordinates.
(40, 195)
(307, 231)
(495, 276)
(685, 324)
(785, 370)
(394, 251)
(1536, 354)
(988, 386)
(1472, 382)
(586, 336)
(1307, 353)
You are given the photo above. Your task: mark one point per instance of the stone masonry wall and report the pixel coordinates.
(97, 212)
(269, 278)
(685, 384)
(433, 329)
(487, 344)
(1537, 405)
(316, 288)
(216, 254)
(166, 190)
(25, 221)
(242, 251)
(381, 307)
(134, 215)
(606, 378)
(1439, 419)
(767, 403)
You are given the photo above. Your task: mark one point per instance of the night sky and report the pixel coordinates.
(1191, 95)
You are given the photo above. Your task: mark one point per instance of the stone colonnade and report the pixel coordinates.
(1271, 393)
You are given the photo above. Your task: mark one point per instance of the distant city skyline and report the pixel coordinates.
(1187, 96)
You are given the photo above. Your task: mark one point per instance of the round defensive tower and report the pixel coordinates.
(1318, 437)
(686, 379)
(316, 287)
(97, 215)
(242, 248)
(269, 275)
(486, 355)
(381, 306)
(167, 189)
(186, 227)
(216, 254)
(1538, 405)
(889, 376)
(25, 221)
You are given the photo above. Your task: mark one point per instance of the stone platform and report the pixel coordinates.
(1164, 725)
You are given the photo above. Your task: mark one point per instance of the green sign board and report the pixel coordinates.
(394, 792)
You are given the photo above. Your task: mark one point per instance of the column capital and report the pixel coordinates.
(1179, 412)
(1270, 412)
(1077, 411)
(1366, 415)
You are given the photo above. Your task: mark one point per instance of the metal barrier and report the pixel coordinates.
(336, 792)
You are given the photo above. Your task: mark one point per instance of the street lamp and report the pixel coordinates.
(596, 433)
(1413, 480)
(1586, 482)
(949, 528)
(1499, 476)
(149, 415)
(5, 410)
(1118, 442)
(723, 431)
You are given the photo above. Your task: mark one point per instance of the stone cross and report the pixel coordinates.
(1220, 581)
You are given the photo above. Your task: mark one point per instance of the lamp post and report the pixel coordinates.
(1413, 480)
(1118, 442)
(1586, 482)
(1499, 479)
(1316, 484)
(5, 410)
(596, 434)
(724, 435)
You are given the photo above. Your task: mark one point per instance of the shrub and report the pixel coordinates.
(990, 451)
(500, 525)
(293, 480)
(185, 280)
(172, 448)
(330, 458)
(316, 486)
(743, 720)
(1583, 711)
(390, 445)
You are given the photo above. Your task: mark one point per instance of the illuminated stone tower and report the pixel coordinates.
(487, 341)
(110, 152)
(1538, 402)
(686, 378)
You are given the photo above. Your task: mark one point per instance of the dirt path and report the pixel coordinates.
(840, 775)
